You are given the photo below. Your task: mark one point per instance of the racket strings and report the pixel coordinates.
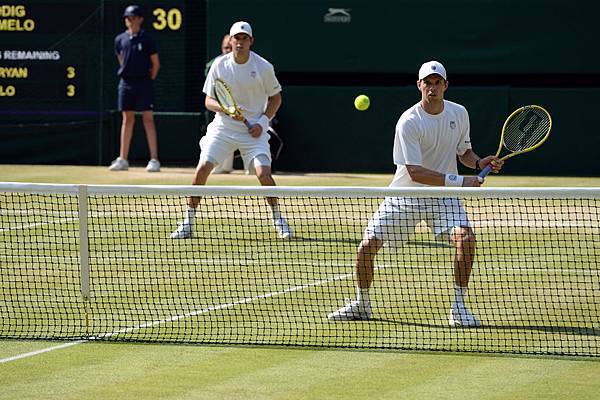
(224, 96)
(526, 129)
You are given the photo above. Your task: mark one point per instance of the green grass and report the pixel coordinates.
(183, 176)
(128, 371)
(104, 370)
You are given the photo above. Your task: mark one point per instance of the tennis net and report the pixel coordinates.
(97, 262)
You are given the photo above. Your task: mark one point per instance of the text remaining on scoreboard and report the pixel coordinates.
(13, 18)
(19, 55)
(10, 75)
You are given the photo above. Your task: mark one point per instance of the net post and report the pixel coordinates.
(84, 260)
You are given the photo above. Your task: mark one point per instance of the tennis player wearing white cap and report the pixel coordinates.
(429, 137)
(257, 91)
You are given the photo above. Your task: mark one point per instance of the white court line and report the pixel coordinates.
(182, 316)
(37, 352)
(58, 221)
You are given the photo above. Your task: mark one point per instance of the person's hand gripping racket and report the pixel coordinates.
(230, 107)
(494, 163)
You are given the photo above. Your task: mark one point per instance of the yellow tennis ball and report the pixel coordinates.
(362, 102)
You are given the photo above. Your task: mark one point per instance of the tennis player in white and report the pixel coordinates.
(256, 90)
(429, 137)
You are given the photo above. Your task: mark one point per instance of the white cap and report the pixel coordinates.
(240, 27)
(432, 67)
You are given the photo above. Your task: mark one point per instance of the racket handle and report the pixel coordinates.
(248, 124)
(484, 173)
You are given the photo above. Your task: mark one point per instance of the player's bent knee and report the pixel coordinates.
(264, 177)
(370, 246)
(204, 167)
(464, 237)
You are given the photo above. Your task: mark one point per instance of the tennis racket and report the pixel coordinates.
(227, 102)
(524, 130)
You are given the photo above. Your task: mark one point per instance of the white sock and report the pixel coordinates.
(275, 211)
(190, 214)
(362, 295)
(459, 294)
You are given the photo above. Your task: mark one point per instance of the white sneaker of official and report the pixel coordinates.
(119, 164)
(460, 316)
(352, 311)
(153, 165)
(281, 226)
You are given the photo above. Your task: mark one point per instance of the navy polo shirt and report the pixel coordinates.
(135, 52)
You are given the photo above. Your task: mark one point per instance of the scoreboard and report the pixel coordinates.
(58, 56)
(40, 64)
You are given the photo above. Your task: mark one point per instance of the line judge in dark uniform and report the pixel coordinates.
(138, 67)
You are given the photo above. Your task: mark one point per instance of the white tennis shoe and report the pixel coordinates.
(183, 231)
(281, 226)
(460, 316)
(353, 311)
(153, 165)
(119, 164)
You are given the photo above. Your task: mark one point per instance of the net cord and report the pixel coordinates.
(304, 191)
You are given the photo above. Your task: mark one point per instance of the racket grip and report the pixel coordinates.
(248, 124)
(484, 173)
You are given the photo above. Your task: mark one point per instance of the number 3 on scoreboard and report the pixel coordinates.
(171, 19)
(71, 72)
(70, 90)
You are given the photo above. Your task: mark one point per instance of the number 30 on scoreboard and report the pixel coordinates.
(167, 19)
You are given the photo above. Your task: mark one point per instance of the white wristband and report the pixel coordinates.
(263, 121)
(454, 180)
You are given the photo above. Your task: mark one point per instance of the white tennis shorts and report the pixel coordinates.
(397, 218)
(219, 142)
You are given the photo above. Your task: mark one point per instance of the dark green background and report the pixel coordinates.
(499, 54)
(469, 36)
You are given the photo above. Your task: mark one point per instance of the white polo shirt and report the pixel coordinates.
(431, 141)
(251, 84)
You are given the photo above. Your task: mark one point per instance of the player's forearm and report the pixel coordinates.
(433, 178)
(425, 176)
(469, 159)
(273, 104)
(212, 104)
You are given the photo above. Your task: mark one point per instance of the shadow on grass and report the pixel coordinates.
(410, 243)
(573, 330)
